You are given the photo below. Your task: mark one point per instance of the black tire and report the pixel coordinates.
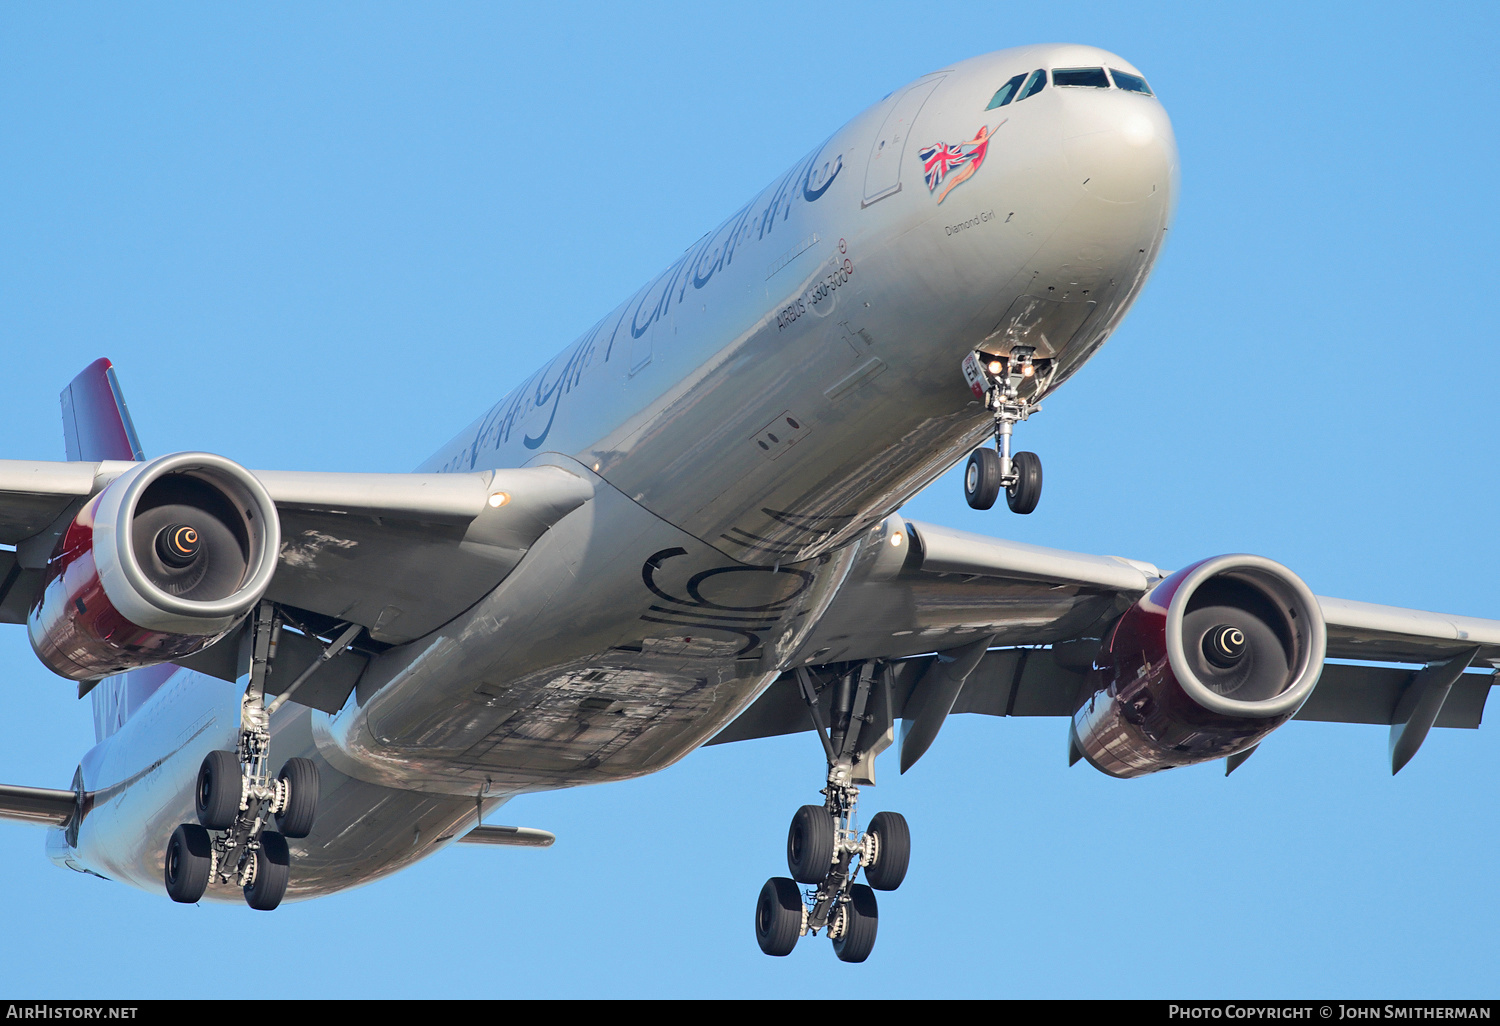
(861, 919)
(189, 860)
(778, 916)
(1023, 496)
(809, 844)
(219, 788)
(892, 851)
(982, 478)
(301, 776)
(272, 869)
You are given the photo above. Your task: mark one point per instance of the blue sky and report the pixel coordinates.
(327, 238)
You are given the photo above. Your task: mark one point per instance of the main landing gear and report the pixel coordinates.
(236, 798)
(995, 380)
(826, 851)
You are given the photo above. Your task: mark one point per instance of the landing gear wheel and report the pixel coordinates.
(892, 851)
(220, 786)
(1022, 496)
(809, 844)
(982, 478)
(272, 867)
(189, 860)
(301, 776)
(860, 918)
(778, 916)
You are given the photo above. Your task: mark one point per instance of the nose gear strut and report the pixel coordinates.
(825, 848)
(996, 380)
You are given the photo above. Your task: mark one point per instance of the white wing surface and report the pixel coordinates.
(399, 554)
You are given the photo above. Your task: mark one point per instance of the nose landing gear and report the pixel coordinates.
(994, 379)
(826, 850)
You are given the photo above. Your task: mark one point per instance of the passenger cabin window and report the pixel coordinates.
(1091, 77)
(1130, 83)
(1035, 84)
(1007, 92)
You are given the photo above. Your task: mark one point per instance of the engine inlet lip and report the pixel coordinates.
(1284, 588)
(244, 489)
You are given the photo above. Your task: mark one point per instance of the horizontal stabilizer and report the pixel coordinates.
(519, 837)
(37, 804)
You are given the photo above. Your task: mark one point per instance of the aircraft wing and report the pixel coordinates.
(399, 554)
(1026, 622)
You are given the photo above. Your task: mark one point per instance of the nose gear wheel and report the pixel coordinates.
(996, 380)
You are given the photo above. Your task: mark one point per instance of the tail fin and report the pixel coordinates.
(96, 422)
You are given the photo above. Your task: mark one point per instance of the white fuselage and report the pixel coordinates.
(746, 417)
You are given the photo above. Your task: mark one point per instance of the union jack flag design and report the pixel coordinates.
(940, 160)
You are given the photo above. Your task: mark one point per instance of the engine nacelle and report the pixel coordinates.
(162, 563)
(1204, 666)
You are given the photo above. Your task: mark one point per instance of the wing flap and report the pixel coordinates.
(1048, 682)
(1007, 682)
(1370, 694)
(17, 586)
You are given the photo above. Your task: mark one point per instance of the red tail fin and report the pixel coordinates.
(96, 423)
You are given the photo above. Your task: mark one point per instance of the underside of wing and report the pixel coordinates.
(402, 554)
(964, 623)
(395, 554)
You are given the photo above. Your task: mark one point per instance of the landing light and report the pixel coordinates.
(994, 366)
(499, 499)
(1027, 370)
(896, 538)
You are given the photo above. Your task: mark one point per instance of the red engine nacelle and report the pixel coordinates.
(1205, 665)
(162, 563)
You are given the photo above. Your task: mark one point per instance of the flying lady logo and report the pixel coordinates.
(961, 161)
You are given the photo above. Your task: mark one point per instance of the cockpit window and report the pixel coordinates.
(1035, 84)
(1092, 77)
(1007, 92)
(1130, 83)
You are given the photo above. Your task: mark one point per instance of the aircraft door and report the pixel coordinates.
(640, 351)
(883, 171)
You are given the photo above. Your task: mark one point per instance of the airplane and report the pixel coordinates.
(684, 530)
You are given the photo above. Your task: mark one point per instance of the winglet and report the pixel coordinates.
(96, 422)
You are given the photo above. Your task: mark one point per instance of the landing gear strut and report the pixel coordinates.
(824, 847)
(996, 381)
(236, 797)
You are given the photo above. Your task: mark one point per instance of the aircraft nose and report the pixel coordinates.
(1119, 146)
